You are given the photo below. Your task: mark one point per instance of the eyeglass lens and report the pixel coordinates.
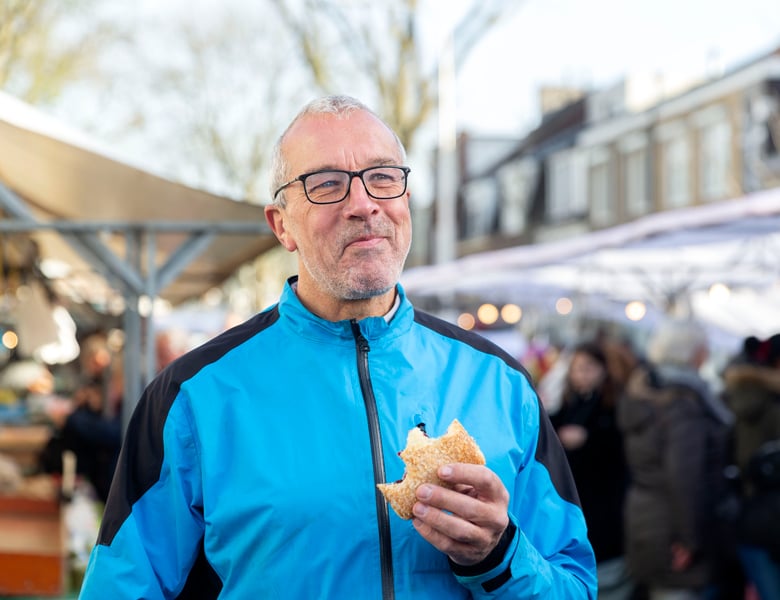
(333, 186)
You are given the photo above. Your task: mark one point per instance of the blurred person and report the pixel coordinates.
(94, 358)
(587, 427)
(250, 465)
(539, 357)
(90, 425)
(93, 431)
(752, 390)
(676, 433)
(551, 383)
(170, 344)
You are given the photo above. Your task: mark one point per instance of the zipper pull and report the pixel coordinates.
(361, 340)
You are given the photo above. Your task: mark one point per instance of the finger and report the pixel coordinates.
(486, 484)
(464, 542)
(448, 523)
(465, 526)
(464, 506)
(460, 540)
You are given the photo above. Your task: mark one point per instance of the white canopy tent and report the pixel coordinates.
(669, 260)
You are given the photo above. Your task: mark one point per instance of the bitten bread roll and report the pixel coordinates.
(423, 456)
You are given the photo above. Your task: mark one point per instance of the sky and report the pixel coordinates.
(593, 43)
(586, 43)
(583, 43)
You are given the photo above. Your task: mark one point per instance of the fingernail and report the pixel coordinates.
(445, 471)
(419, 509)
(424, 492)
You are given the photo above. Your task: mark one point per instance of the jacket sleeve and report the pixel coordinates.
(152, 526)
(549, 556)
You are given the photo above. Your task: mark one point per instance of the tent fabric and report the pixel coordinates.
(669, 259)
(61, 175)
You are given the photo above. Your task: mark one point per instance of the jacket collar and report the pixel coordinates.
(376, 329)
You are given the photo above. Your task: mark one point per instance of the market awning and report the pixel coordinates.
(100, 229)
(63, 179)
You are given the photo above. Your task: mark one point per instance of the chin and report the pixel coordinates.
(364, 293)
(367, 282)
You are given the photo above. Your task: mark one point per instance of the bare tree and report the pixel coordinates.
(381, 43)
(229, 105)
(223, 85)
(205, 93)
(207, 96)
(46, 45)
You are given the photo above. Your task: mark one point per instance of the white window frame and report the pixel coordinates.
(517, 182)
(634, 152)
(600, 198)
(675, 163)
(566, 198)
(715, 158)
(480, 204)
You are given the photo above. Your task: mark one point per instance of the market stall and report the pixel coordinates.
(86, 239)
(107, 234)
(716, 261)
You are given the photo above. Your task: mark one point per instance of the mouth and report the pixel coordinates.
(366, 241)
(366, 236)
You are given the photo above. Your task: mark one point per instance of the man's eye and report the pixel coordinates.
(381, 177)
(324, 184)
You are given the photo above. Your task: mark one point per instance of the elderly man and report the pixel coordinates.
(250, 468)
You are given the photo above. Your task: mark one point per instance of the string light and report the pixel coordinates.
(466, 321)
(719, 292)
(564, 306)
(10, 340)
(511, 313)
(487, 314)
(636, 310)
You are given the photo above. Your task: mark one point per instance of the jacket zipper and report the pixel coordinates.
(383, 517)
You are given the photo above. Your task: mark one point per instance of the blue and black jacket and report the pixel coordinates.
(250, 467)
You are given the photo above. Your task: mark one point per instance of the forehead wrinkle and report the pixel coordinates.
(378, 162)
(314, 138)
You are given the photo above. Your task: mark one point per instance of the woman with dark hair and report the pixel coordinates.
(586, 425)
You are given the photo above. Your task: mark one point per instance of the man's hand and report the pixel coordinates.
(465, 523)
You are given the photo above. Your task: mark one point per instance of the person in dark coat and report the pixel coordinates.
(676, 441)
(752, 389)
(587, 427)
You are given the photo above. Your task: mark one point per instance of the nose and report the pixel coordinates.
(358, 200)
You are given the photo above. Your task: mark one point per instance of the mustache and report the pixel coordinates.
(380, 228)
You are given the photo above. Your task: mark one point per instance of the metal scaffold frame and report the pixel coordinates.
(128, 274)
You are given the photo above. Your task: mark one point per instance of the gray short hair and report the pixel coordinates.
(677, 342)
(334, 105)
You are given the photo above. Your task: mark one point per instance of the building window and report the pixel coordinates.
(715, 160)
(676, 172)
(635, 184)
(517, 181)
(566, 199)
(480, 203)
(601, 209)
(635, 174)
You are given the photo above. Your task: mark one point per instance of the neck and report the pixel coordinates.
(329, 308)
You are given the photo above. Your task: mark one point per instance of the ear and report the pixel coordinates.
(275, 216)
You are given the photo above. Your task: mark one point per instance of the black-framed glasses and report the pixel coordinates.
(329, 186)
